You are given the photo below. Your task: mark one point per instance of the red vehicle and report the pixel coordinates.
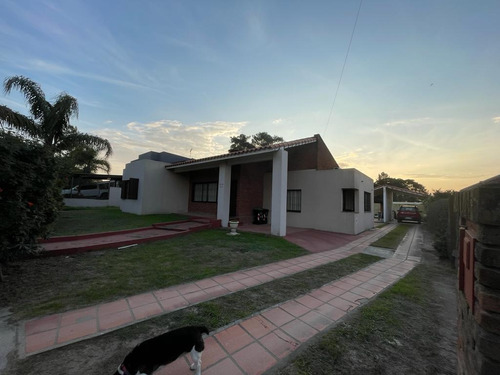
(408, 213)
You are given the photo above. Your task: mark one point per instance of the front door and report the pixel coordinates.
(232, 199)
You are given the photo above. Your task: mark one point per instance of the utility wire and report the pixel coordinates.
(343, 68)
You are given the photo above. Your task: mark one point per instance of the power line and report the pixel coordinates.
(343, 68)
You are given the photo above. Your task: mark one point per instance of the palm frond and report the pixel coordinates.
(18, 121)
(56, 123)
(75, 139)
(33, 93)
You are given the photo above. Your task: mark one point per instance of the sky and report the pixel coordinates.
(409, 88)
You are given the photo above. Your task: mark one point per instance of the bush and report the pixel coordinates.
(437, 220)
(29, 196)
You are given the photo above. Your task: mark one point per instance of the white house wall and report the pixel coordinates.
(321, 206)
(160, 191)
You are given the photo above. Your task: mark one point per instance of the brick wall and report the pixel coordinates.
(477, 210)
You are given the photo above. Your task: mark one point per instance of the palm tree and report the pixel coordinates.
(49, 123)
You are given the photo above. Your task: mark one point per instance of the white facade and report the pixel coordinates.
(322, 194)
(159, 191)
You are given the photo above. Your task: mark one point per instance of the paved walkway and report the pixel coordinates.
(253, 345)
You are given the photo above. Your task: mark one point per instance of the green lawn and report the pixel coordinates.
(392, 239)
(63, 283)
(74, 221)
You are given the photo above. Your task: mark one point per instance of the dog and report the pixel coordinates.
(161, 350)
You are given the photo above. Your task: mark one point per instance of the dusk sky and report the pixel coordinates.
(419, 96)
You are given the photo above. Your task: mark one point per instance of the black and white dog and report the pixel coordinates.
(161, 350)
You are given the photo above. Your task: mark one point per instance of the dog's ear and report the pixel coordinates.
(204, 330)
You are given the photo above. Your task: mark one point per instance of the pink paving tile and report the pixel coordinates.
(76, 331)
(253, 272)
(258, 326)
(112, 307)
(233, 338)
(196, 297)
(172, 304)
(223, 279)
(322, 295)
(309, 301)
(239, 275)
(250, 281)
(177, 367)
(254, 359)
(46, 323)
(235, 286)
(279, 343)
(373, 288)
(275, 274)
(299, 330)
(277, 316)
(332, 289)
(316, 320)
(263, 278)
(141, 299)
(362, 277)
(331, 312)
(206, 283)
(213, 353)
(78, 316)
(295, 308)
(352, 297)
(166, 293)
(224, 367)
(114, 320)
(343, 304)
(40, 341)
(146, 311)
(342, 285)
(188, 288)
(363, 292)
(351, 281)
(215, 291)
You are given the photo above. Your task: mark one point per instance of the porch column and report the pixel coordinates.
(384, 204)
(278, 193)
(224, 194)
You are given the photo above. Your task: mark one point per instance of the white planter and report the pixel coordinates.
(233, 224)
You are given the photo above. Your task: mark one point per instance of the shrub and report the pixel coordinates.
(29, 196)
(437, 220)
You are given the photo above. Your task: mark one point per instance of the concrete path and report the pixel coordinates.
(256, 344)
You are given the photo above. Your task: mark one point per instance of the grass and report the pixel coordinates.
(392, 239)
(95, 277)
(75, 221)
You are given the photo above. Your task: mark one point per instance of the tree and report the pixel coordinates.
(409, 184)
(262, 139)
(49, 123)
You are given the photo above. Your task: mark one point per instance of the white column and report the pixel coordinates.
(384, 204)
(278, 193)
(224, 194)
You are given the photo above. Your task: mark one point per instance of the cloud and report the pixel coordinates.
(408, 122)
(278, 121)
(197, 140)
(496, 120)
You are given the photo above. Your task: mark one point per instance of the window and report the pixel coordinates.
(130, 188)
(293, 200)
(368, 202)
(348, 200)
(205, 192)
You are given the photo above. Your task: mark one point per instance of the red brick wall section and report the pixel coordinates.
(208, 175)
(478, 208)
(250, 193)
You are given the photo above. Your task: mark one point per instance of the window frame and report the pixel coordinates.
(293, 202)
(367, 202)
(207, 195)
(349, 202)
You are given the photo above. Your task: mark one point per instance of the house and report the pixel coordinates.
(298, 182)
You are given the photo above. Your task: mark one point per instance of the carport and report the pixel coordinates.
(384, 194)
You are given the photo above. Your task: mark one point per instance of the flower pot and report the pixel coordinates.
(233, 224)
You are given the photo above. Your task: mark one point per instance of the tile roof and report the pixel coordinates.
(257, 150)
